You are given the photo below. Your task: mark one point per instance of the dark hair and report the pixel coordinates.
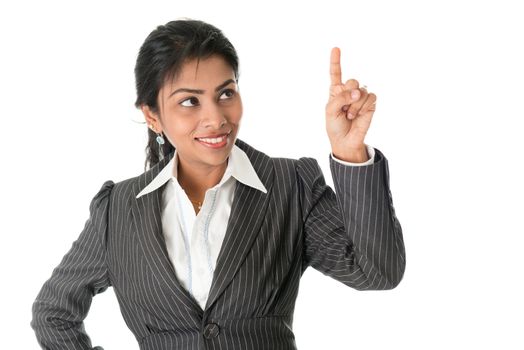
(161, 57)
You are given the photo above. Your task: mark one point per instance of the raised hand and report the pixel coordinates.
(349, 111)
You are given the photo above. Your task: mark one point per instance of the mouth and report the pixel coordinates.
(215, 142)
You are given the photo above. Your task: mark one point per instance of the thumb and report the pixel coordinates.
(341, 102)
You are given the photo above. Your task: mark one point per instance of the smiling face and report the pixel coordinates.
(200, 113)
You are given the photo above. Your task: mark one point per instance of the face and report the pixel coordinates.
(202, 125)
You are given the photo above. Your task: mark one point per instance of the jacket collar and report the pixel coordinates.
(238, 166)
(249, 203)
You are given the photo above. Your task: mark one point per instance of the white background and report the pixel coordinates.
(448, 76)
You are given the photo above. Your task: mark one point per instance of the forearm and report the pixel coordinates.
(370, 223)
(54, 331)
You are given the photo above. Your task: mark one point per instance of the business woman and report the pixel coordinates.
(205, 248)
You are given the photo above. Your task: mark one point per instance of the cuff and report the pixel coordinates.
(371, 154)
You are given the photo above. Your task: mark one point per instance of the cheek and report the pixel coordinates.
(179, 129)
(236, 115)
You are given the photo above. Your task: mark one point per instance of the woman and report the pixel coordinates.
(205, 249)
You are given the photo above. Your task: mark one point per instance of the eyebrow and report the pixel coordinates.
(197, 91)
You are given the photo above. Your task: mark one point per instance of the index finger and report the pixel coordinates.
(334, 68)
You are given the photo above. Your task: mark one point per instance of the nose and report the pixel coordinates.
(214, 118)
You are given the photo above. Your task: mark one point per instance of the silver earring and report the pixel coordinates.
(160, 140)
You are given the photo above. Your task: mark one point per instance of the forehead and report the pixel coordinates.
(204, 72)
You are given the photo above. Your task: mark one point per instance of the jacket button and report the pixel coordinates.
(211, 330)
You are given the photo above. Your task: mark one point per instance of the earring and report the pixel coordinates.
(160, 140)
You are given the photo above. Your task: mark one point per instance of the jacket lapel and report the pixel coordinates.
(247, 211)
(147, 216)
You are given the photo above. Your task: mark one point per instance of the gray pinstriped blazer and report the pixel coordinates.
(271, 238)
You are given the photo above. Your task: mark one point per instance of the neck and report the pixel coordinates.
(196, 180)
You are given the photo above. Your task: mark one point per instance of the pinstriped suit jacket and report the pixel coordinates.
(271, 238)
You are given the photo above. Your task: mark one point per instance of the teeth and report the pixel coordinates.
(214, 140)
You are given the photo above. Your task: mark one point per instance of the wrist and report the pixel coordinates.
(356, 155)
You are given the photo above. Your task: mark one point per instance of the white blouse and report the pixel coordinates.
(194, 241)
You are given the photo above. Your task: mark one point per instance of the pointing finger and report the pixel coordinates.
(334, 68)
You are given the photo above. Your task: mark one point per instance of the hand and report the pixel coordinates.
(348, 114)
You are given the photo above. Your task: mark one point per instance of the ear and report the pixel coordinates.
(151, 118)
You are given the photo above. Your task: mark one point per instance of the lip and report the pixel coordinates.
(215, 146)
(212, 136)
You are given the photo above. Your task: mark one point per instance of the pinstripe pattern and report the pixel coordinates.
(271, 238)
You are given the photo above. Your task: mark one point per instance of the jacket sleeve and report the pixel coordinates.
(64, 300)
(353, 236)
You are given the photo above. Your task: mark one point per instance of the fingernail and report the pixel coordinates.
(354, 94)
(350, 116)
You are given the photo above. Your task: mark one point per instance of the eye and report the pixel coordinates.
(230, 91)
(192, 99)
